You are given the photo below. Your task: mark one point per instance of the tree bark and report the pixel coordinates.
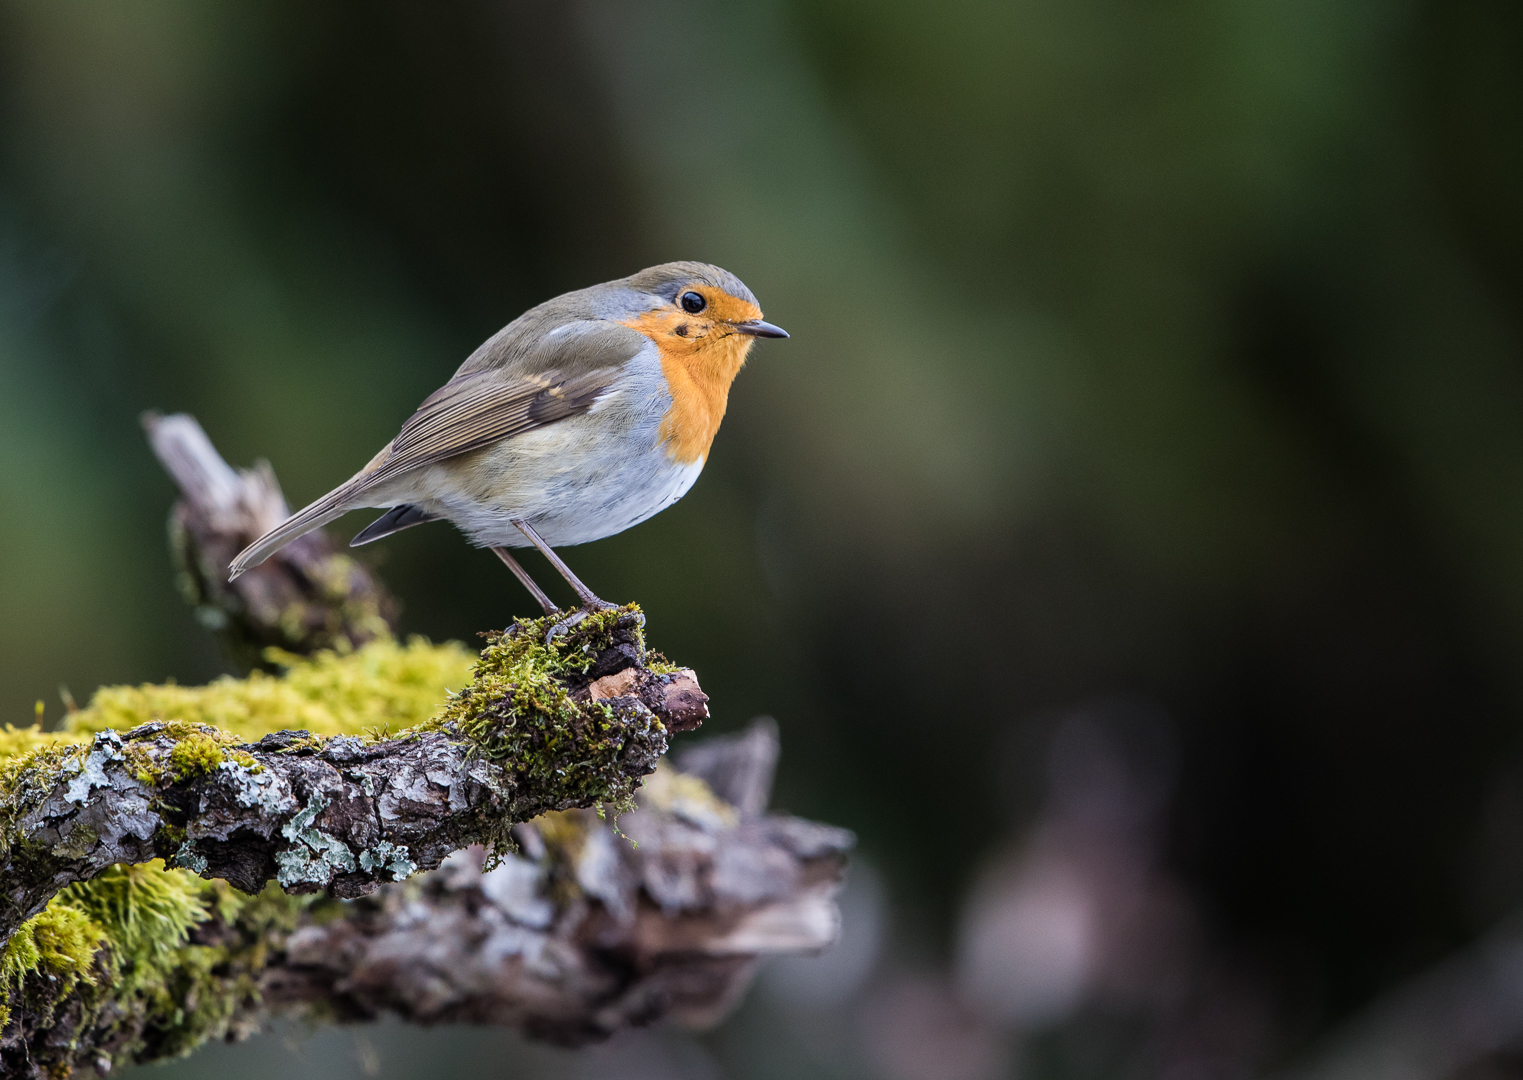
(309, 595)
(585, 929)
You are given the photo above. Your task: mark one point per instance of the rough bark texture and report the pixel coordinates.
(340, 814)
(583, 931)
(586, 933)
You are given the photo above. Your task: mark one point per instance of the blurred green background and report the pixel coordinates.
(1155, 373)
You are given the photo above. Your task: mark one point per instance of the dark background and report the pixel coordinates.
(1155, 387)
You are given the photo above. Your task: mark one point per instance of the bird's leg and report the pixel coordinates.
(523, 576)
(589, 599)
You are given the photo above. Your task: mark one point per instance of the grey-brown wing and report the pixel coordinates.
(476, 410)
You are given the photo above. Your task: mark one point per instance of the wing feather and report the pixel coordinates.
(455, 420)
(482, 410)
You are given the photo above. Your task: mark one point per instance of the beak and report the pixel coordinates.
(757, 328)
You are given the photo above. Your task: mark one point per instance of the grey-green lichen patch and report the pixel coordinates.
(315, 856)
(186, 857)
(393, 857)
(90, 770)
(254, 786)
(77, 843)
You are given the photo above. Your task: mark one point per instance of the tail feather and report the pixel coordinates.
(394, 520)
(332, 505)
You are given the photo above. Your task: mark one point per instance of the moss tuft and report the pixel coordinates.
(17, 742)
(519, 711)
(59, 944)
(146, 910)
(386, 684)
(195, 755)
(181, 958)
(61, 941)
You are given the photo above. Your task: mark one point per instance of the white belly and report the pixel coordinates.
(575, 480)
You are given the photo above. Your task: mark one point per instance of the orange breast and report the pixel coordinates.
(700, 360)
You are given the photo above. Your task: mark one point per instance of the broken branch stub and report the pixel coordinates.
(309, 595)
(578, 935)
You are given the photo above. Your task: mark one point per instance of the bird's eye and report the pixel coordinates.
(692, 303)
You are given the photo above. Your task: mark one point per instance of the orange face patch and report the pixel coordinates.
(700, 356)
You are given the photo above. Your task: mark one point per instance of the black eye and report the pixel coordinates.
(692, 303)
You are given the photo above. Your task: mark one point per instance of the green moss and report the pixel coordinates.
(657, 664)
(18, 742)
(146, 910)
(182, 958)
(196, 755)
(520, 714)
(386, 684)
(521, 677)
(61, 942)
(201, 990)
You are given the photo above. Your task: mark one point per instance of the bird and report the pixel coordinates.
(581, 418)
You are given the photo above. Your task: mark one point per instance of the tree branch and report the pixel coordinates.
(577, 935)
(533, 732)
(581, 934)
(305, 597)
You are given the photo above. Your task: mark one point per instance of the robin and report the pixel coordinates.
(580, 418)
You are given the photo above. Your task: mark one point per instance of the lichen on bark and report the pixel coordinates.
(179, 774)
(172, 860)
(579, 935)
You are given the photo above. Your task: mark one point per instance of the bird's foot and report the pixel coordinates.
(589, 607)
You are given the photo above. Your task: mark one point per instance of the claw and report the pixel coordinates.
(565, 624)
(577, 616)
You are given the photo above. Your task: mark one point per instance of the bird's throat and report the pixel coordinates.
(700, 361)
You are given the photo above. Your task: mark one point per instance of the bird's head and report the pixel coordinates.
(695, 307)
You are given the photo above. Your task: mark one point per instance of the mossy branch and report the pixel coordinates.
(581, 934)
(350, 762)
(538, 728)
